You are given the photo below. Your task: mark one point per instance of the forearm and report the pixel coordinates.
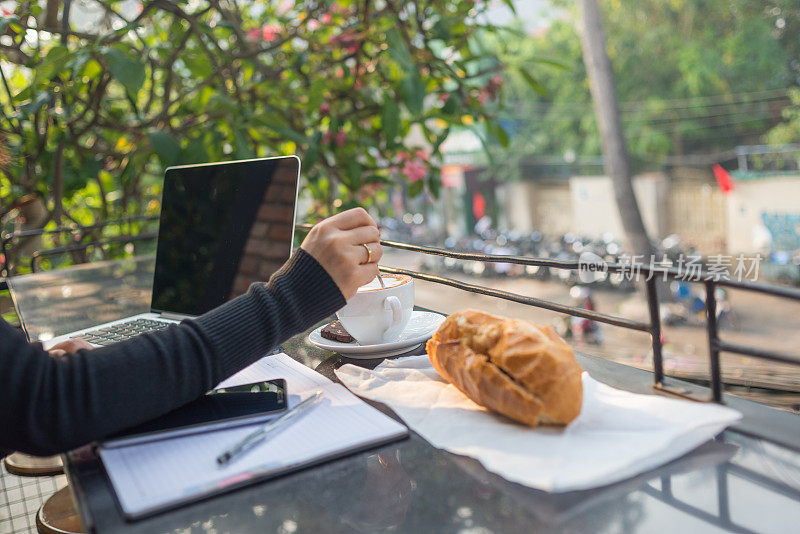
(54, 404)
(298, 296)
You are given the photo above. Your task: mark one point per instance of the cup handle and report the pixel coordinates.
(393, 303)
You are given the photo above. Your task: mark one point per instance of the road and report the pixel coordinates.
(756, 320)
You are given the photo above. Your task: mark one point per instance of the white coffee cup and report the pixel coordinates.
(377, 315)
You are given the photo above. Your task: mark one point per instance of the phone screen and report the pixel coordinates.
(220, 408)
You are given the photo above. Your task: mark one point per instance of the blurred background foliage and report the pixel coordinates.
(366, 92)
(668, 57)
(92, 115)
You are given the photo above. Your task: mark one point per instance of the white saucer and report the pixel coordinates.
(420, 327)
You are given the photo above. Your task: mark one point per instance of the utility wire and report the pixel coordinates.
(718, 111)
(661, 106)
(750, 115)
(685, 103)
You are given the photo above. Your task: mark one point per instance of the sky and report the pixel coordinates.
(534, 14)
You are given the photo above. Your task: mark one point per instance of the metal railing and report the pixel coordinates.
(77, 231)
(36, 256)
(711, 281)
(716, 346)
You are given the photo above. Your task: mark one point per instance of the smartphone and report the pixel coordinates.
(218, 409)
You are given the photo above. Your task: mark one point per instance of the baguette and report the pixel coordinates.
(513, 367)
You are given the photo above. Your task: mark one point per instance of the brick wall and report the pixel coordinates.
(267, 247)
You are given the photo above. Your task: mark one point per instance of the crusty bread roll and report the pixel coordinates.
(519, 369)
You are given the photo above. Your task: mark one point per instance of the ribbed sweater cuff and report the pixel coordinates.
(296, 297)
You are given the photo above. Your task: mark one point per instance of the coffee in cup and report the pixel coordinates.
(378, 314)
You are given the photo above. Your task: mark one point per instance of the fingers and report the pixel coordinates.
(366, 273)
(373, 256)
(338, 243)
(71, 345)
(363, 234)
(356, 276)
(353, 218)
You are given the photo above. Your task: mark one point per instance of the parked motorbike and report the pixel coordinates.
(688, 306)
(578, 328)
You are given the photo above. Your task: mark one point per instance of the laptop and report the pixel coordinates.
(222, 227)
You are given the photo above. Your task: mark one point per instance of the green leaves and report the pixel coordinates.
(288, 134)
(345, 92)
(194, 151)
(413, 89)
(223, 102)
(166, 146)
(53, 63)
(498, 133)
(5, 21)
(243, 149)
(126, 69)
(398, 50)
(198, 64)
(92, 69)
(390, 120)
(353, 174)
(416, 188)
(534, 84)
(33, 106)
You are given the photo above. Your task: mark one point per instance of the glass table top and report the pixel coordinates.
(52, 303)
(737, 483)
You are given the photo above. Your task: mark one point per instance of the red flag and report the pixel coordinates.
(478, 205)
(723, 178)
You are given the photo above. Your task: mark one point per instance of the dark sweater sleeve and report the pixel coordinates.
(50, 405)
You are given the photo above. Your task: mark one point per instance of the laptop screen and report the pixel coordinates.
(223, 226)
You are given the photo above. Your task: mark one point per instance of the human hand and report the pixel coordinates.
(69, 346)
(337, 243)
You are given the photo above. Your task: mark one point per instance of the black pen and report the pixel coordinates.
(268, 429)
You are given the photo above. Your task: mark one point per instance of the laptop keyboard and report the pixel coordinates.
(122, 331)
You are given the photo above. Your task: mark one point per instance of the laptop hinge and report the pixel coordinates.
(174, 316)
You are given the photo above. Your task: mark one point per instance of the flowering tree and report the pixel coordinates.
(93, 114)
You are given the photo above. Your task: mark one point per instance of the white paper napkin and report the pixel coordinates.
(618, 434)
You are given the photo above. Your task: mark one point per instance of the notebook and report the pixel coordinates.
(152, 477)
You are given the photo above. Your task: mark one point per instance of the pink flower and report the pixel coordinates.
(483, 96)
(421, 154)
(326, 137)
(313, 25)
(444, 97)
(340, 138)
(326, 18)
(325, 108)
(285, 5)
(492, 88)
(269, 32)
(414, 170)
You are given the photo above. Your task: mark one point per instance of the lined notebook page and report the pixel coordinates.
(155, 475)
